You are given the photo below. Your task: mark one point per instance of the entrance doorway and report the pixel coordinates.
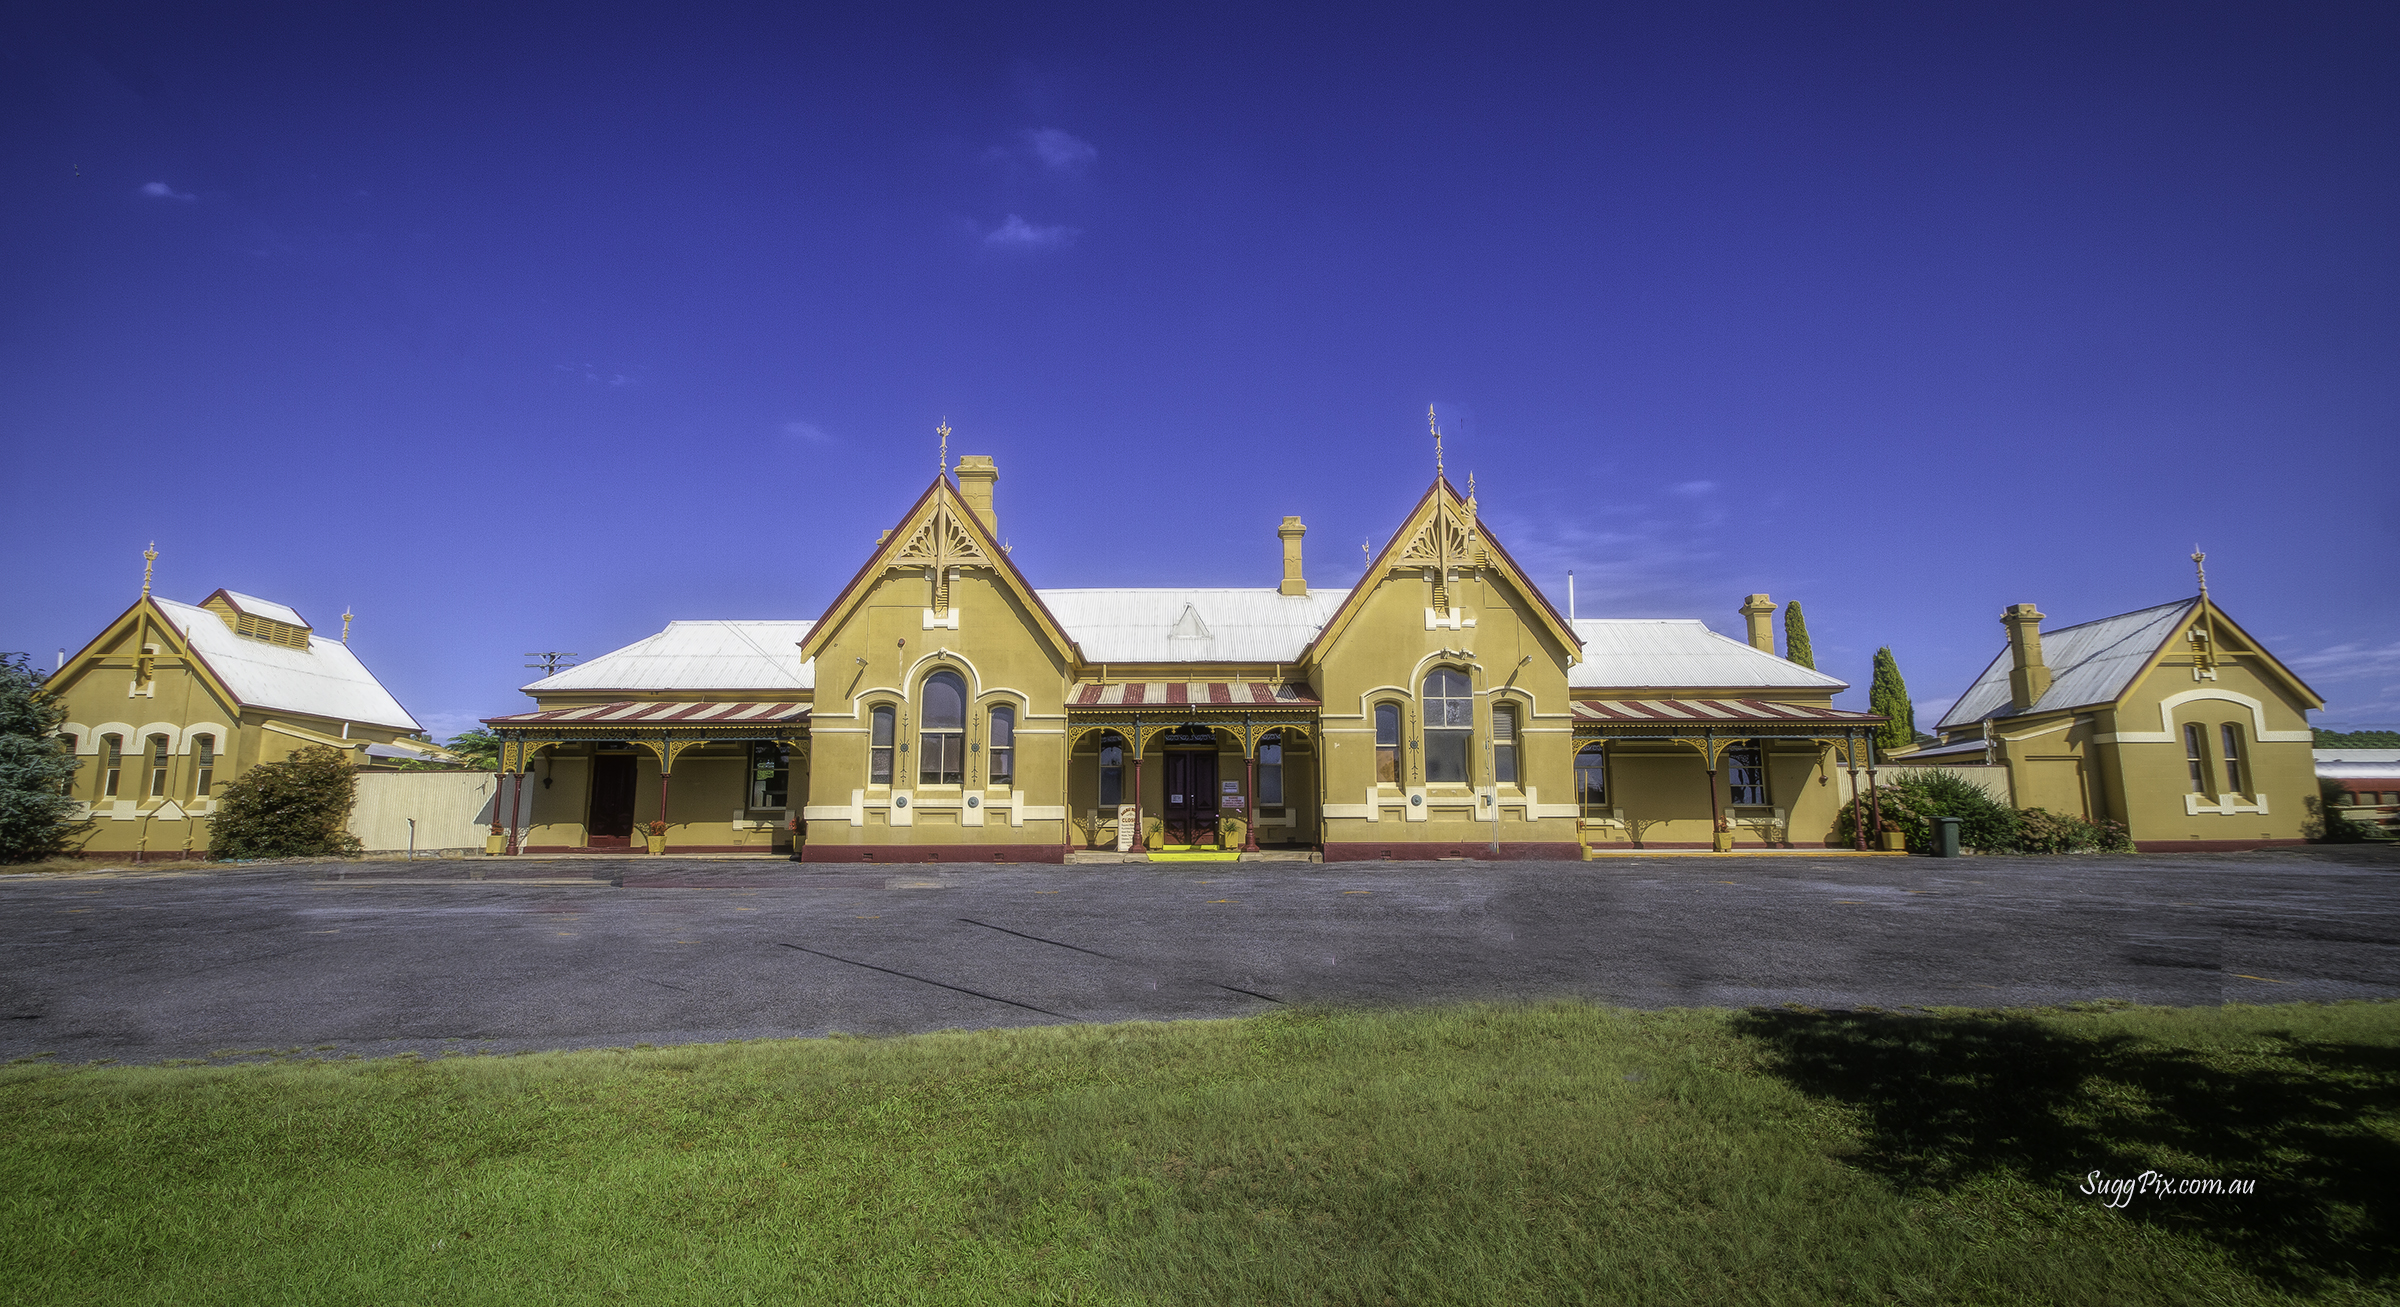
(1191, 816)
(611, 822)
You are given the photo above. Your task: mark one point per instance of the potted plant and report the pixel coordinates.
(1895, 840)
(1154, 833)
(1229, 833)
(1724, 838)
(657, 836)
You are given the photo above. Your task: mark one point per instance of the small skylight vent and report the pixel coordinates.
(243, 614)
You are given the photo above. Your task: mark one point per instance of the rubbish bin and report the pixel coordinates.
(1945, 837)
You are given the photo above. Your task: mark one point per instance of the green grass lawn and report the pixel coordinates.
(1559, 1153)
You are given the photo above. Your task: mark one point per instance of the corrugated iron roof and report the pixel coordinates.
(1646, 654)
(324, 680)
(1713, 712)
(1192, 694)
(1180, 625)
(658, 714)
(701, 655)
(2091, 662)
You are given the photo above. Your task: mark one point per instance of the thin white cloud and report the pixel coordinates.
(1060, 151)
(162, 191)
(807, 431)
(1694, 487)
(1018, 234)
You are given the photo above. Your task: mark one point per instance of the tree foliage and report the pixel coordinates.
(37, 772)
(2357, 739)
(1795, 637)
(478, 748)
(296, 808)
(1888, 696)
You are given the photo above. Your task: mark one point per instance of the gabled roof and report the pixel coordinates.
(1439, 497)
(2090, 663)
(1681, 653)
(921, 515)
(1172, 626)
(323, 680)
(751, 657)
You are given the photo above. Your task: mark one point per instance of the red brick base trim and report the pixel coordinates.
(762, 850)
(2211, 846)
(1407, 851)
(921, 853)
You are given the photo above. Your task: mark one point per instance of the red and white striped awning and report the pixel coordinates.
(1192, 694)
(1715, 712)
(658, 714)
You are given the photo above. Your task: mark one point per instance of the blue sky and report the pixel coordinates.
(517, 328)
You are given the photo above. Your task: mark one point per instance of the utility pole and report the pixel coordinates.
(550, 660)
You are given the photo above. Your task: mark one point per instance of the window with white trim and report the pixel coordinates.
(879, 745)
(1504, 744)
(2231, 736)
(114, 747)
(770, 774)
(942, 730)
(158, 766)
(2195, 756)
(1112, 770)
(1270, 769)
(1449, 726)
(1387, 743)
(1000, 748)
(1591, 780)
(204, 764)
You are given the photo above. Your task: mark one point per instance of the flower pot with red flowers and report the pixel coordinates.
(656, 836)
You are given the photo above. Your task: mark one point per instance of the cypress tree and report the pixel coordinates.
(37, 814)
(1795, 637)
(1888, 696)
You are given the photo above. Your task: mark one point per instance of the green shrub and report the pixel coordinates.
(2040, 830)
(1916, 795)
(2327, 826)
(296, 808)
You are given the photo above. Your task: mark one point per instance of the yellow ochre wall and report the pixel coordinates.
(2146, 778)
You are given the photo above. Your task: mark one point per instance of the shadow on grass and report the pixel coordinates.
(1955, 1100)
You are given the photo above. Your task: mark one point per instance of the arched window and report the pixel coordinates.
(2231, 735)
(2195, 756)
(204, 764)
(1001, 748)
(1746, 774)
(158, 766)
(942, 730)
(1387, 743)
(1270, 768)
(1449, 726)
(1504, 744)
(115, 749)
(1591, 780)
(879, 746)
(1112, 770)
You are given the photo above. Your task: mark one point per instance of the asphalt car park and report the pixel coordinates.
(376, 958)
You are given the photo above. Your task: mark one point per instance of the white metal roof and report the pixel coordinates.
(324, 680)
(2373, 757)
(2091, 662)
(1646, 654)
(266, 608)
(1176, 625)
(705, 655)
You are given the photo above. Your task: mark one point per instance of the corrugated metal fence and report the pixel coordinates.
(452, 810)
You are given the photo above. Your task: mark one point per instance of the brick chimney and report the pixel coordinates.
(976, 477)
(2028, 679)
(1293, 582)
(1759, 612)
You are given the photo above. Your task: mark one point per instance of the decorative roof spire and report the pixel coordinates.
(2200, 565)
(942, 469)
(346, 616)
(1436, 427)
(149, 557)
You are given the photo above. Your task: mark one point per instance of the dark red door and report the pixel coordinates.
(1191, 816)
(611, 824)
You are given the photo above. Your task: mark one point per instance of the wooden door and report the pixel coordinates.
(611, 823)
(1191, 816)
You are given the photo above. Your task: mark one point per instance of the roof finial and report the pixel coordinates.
(149, 556)
(346, 616)
(1436, 427)
(942, 469)
(2200, 565)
